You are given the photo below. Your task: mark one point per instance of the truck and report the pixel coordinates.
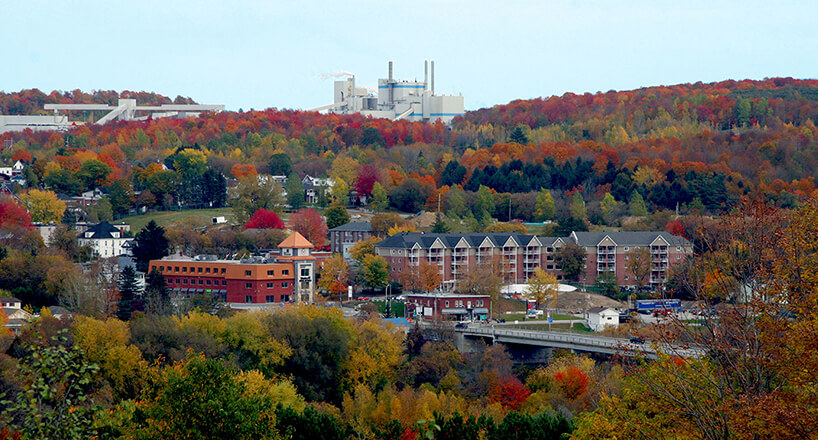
(652, 305)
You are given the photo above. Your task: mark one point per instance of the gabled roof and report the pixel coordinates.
(353, 227)
(296, 241)
(600, 310)
(629, 238)
(406, 240)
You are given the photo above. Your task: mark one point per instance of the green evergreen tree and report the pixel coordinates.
(440, 226)
(128, 294)
(150, 244)
(295, 192)
(637, 205)
(609, 207)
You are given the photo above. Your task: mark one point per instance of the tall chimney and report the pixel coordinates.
(390, 71)
(425, 75)
(433, 77)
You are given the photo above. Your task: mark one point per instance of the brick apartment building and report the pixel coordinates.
(287, 277)
(521, 254)
(343, 237)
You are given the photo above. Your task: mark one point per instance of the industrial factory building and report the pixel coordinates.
(411, 100)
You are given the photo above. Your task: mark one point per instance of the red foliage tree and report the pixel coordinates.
(21, 155)
(367, 176)
(264, 219)
(676, 228)
(13, 214)
(309, 223)
(573, 382)
(509, 392)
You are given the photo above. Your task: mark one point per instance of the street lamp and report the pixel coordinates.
(388, 301)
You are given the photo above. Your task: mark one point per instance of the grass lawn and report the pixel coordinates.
(521, 317)
(168, 218)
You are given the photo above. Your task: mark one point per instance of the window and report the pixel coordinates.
(224, 282)
(627, 249)
(285, 284)
(678, 257)
(285, 272)
(285, 298)
(305, 271)
(184, 281)
(224, 269)
(626, 278)
(207, 282)
(176, 269)
(270, 298)
(678, 248)
(200, 270)
(248, 298)
(271, 285)
(248, 285)
(627, 257)
(201, 282)
(271, 272)
(447, 303)
(247, 273)
(207, 270)
(184, 269)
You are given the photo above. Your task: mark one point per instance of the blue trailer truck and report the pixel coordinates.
(653, 305)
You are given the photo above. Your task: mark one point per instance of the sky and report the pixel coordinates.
(261, 54)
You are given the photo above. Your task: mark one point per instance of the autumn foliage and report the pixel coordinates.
(510, 393)
(573, 382)
(13, 214)
(264, 219)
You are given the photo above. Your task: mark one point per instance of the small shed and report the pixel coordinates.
(600, 317)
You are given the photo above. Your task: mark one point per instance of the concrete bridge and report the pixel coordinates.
(534, 339)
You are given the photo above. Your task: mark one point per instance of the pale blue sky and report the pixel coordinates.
(259, 54)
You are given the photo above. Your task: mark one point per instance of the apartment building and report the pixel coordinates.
(343, 237)
(519, 255)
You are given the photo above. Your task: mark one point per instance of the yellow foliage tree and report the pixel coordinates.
(44, 206)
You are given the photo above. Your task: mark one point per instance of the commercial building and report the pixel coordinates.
(447, 307)
(519, 255)
(289, 277)
(411, 100)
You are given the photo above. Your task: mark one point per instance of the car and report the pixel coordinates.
(461, 325)
(637, 340)
(363, 298)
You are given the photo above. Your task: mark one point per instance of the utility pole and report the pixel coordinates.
(438, 203)
(509, 207)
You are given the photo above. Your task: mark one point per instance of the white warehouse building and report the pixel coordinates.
(411, 100)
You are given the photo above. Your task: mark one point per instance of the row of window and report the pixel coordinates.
(201, 281)
(184, 269)
(268, 298)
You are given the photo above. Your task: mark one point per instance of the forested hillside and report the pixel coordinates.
(693, 146)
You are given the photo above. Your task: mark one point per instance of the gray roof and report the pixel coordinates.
(599, 309)
(12, 299)
(353, 227)
(408, 239)
(629, 238)
(103, 230)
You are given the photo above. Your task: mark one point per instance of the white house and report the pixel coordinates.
(601, 317)
(17, 318)
(106, 240)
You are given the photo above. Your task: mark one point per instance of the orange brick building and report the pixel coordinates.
(289, 277)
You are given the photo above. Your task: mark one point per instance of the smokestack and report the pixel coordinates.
(425, 75)
(390, 71)
(433, 77)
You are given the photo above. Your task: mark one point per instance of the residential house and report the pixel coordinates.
(106, 240)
